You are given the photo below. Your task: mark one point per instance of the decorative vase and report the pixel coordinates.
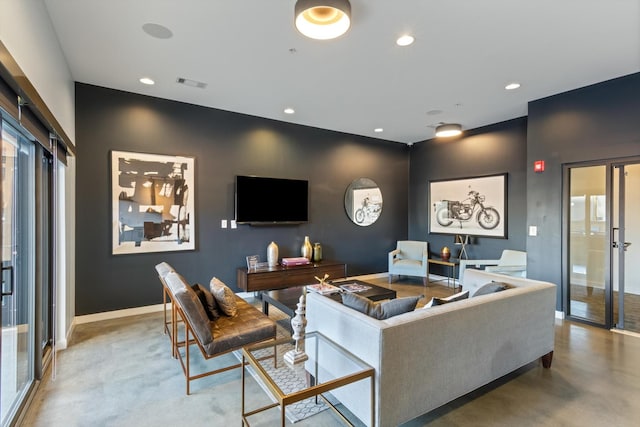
(272, 254)
(445, 253)
(317, 252)
(306, 250)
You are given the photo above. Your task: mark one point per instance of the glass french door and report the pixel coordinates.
(17, 343)
(603, 266)
(588, 243)
(626, 247)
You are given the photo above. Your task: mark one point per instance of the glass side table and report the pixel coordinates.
(329, 367)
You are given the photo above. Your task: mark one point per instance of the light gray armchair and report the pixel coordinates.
(410, 258)
(511, 263)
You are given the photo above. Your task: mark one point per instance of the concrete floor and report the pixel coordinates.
(119, 373)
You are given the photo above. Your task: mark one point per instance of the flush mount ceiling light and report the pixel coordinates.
(512, 86)
(448, 129)
(323, 19)
(147, 81)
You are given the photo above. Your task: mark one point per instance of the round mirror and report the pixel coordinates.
(363, 201)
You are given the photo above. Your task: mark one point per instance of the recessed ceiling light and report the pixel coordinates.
(512, 86)
(405, 40)
(289, 110)
(378, 130)
(322, 20)
(147, 81)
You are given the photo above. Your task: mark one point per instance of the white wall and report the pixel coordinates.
(65, 289)
(70, 249)
(27, 32)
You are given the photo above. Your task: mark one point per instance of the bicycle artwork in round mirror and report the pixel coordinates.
(363, 201)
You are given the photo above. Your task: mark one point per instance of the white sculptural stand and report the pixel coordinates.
(298, 324)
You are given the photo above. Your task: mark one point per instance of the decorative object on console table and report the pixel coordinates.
(317, 252)
(445, 253)
(294, 261)
(252, 262)
(272, 254)
(463, 241)
(306, 250)
(298, 325)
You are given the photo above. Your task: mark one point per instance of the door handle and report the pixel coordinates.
(8, 268)
(625, 245)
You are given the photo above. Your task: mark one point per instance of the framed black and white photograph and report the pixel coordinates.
(152, 203)
(469, 206)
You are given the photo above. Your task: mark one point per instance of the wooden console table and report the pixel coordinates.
(280, 277)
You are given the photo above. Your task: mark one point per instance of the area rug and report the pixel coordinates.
(289, 378)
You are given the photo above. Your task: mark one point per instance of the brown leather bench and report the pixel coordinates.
(213, 338)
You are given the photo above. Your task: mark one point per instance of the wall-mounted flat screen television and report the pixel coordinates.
(261, 200)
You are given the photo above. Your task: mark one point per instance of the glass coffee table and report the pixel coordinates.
(328, 367)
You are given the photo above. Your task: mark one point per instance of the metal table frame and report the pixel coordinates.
(312, 389)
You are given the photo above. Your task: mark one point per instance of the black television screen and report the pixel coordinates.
(261, 200)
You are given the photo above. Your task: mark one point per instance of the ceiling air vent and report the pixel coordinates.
(191, 83)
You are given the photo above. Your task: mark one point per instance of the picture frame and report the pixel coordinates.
(252, 262)
(152, 203)
(475, 206)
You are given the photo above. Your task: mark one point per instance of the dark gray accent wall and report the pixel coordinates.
(593, 123)
(224, 144)
(500, 148)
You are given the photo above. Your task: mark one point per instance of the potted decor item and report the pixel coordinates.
(317, 252)
(306, 250)
(272, 254)
(445, 253)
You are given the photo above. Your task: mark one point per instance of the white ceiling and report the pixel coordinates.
(255, 62)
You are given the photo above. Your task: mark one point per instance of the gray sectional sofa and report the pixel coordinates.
(428, 357)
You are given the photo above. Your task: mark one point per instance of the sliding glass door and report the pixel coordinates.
(18, 278)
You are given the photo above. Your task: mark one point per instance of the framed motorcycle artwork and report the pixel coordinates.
(473, 206)
(363, 202)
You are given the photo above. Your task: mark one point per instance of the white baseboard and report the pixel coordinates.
(107, 315)
(368, 276)
(559, 314)
(245, 295)
(623, 332)
(61, 344)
